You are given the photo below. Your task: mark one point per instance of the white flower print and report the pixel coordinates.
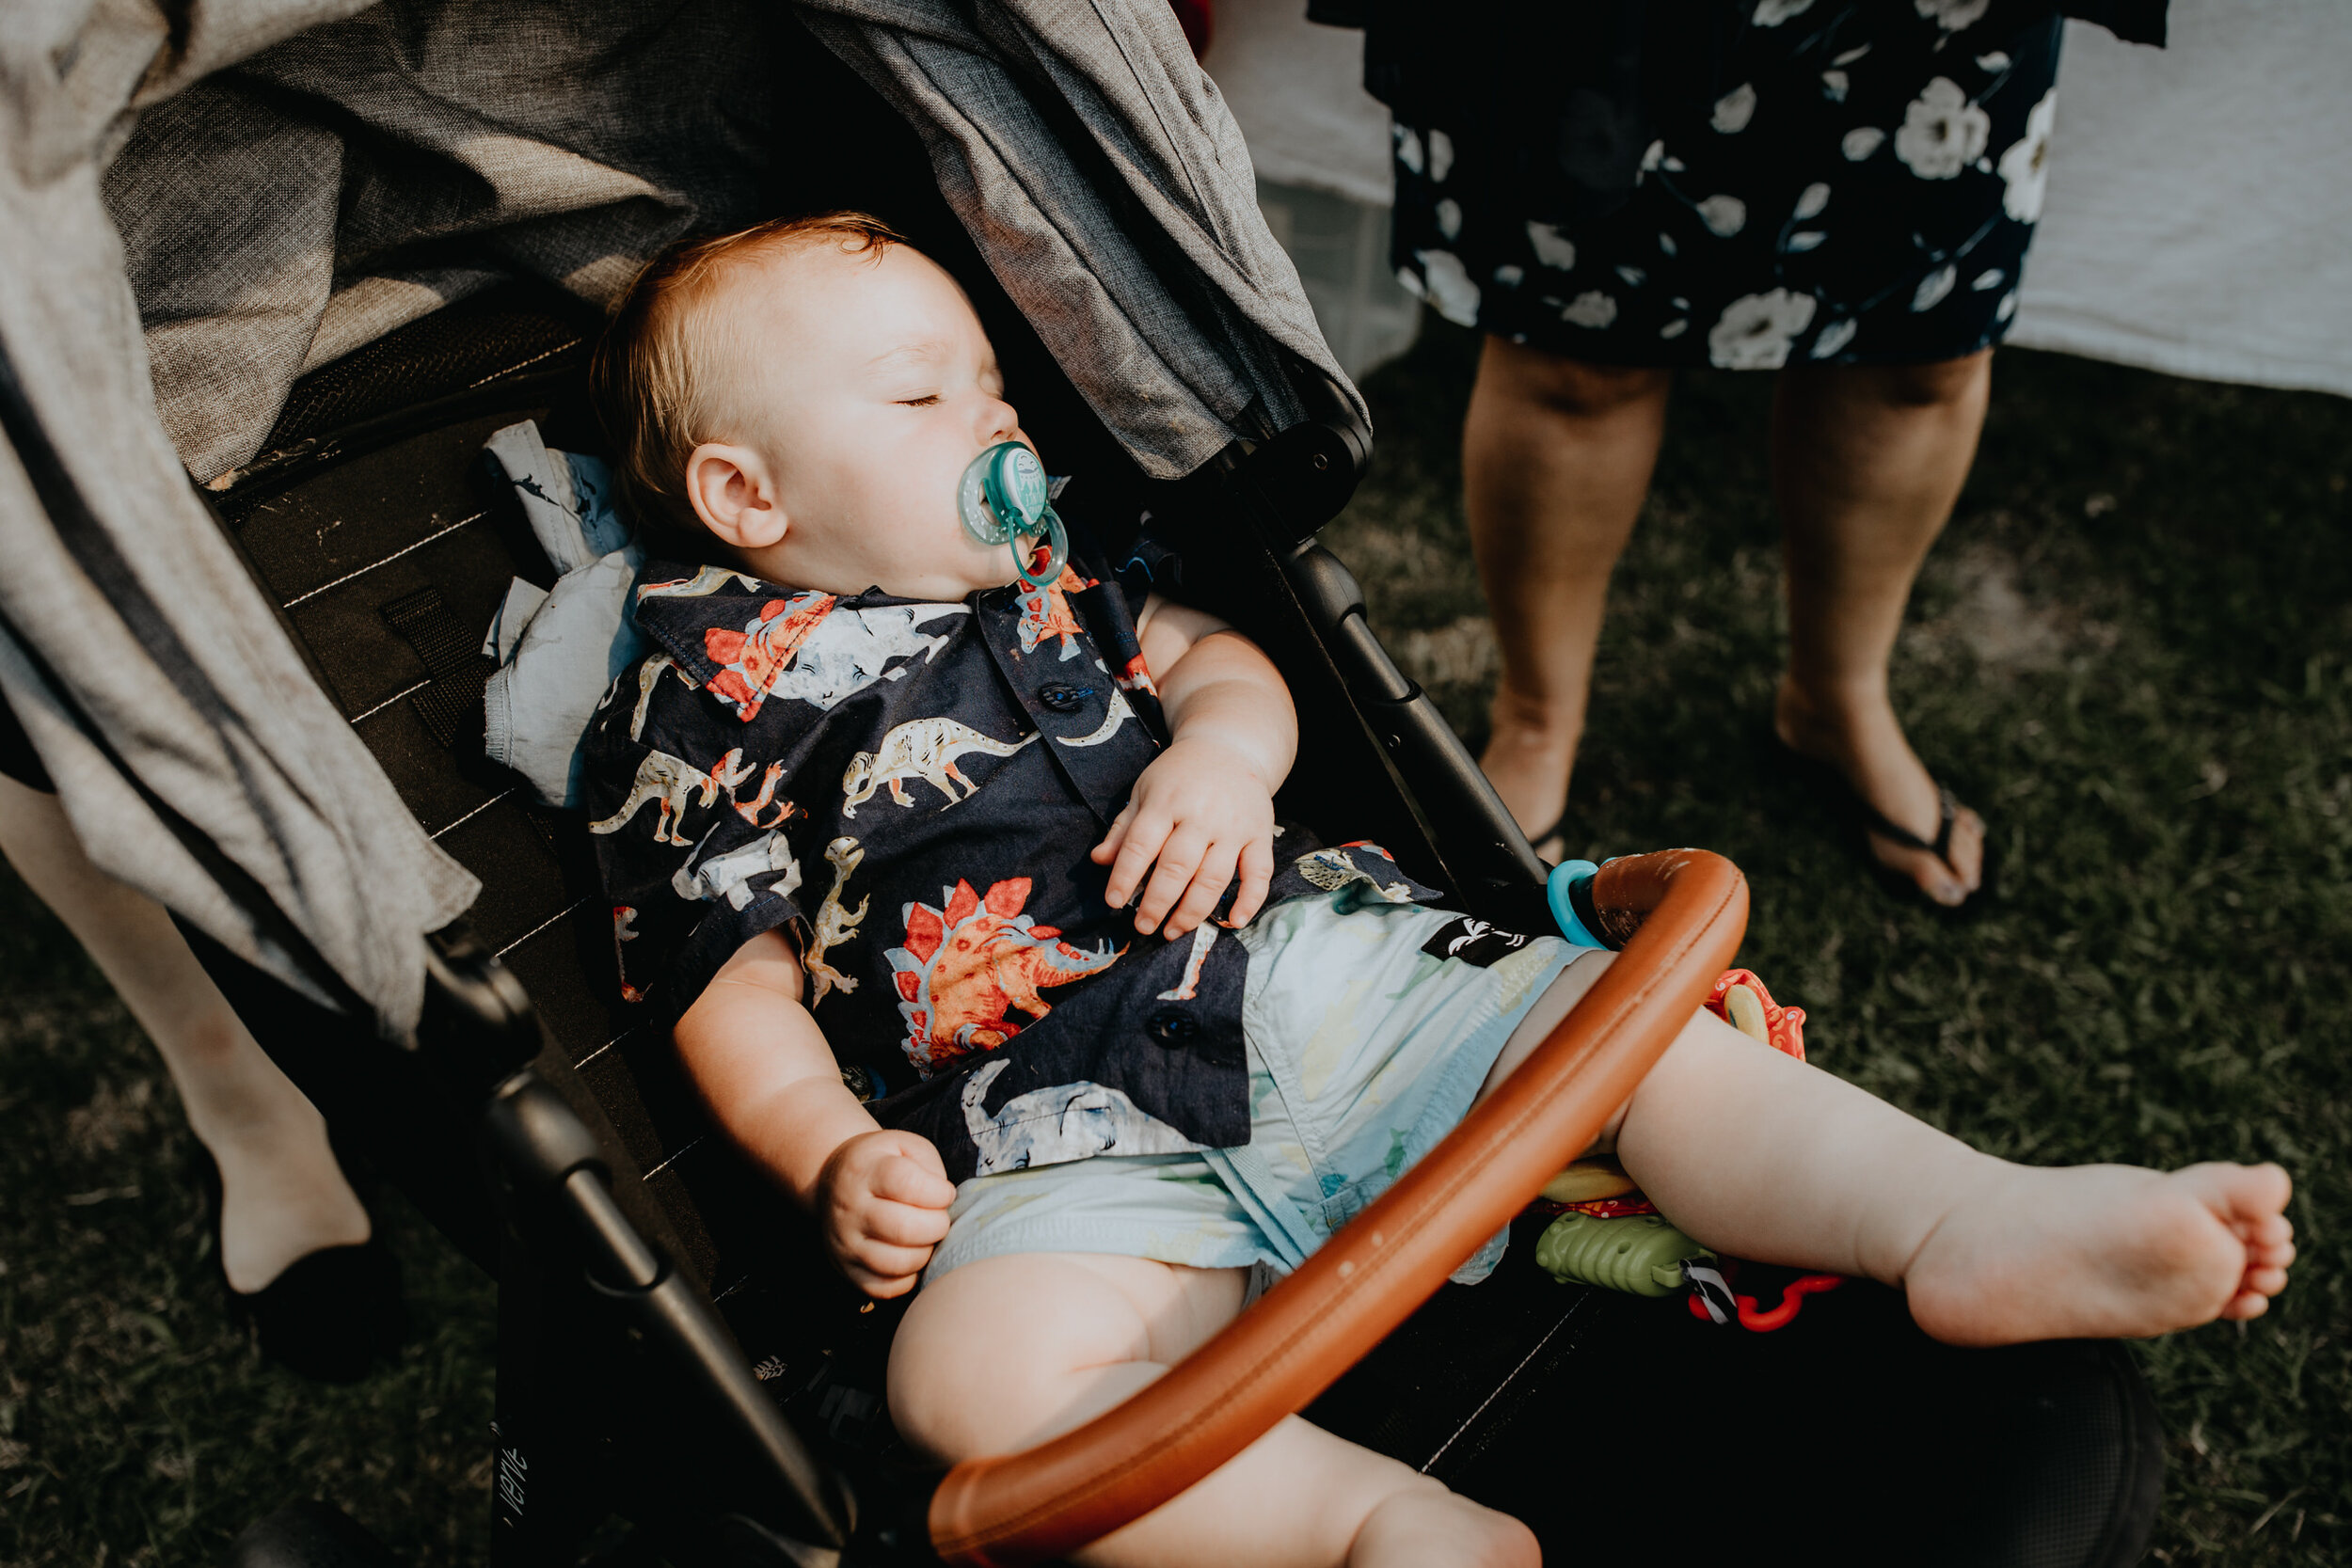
(1771, 13)
(1994, 63)
(1806, 239)
(1833, 85)
(1809, 204)
(1449, 287)
(1943, 132)
(1409, 148)
(1590, 308)
(1734, 109)
(1652, 156)
(1508, 275)
(1410, 281)
(2007, 306)
(1836, 335)
(1450, 218)
(1666, 243)
(1850, 55)
(2025, 166)
(1673, 328)
(1756, 330)
(1861, 142)
(1933, 286)
(1989, 279)
(1952, 15)
(1441, 156)
(1724, 214)
(1552, 248)
(1634, 276)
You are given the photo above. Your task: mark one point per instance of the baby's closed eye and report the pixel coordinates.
(926, 401)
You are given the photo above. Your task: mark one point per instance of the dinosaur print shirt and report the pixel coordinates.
(912, 790)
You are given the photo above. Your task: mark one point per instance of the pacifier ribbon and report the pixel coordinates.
(1003, 498)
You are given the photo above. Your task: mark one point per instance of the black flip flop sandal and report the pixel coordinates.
(1849, 803)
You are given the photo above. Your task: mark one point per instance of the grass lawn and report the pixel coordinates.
(2133, 653)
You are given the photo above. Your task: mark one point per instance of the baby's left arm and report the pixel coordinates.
(1204, 809)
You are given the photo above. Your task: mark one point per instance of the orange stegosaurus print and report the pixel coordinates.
(751, 660)
(970, 964)
(1045, 612)
(1136, 676)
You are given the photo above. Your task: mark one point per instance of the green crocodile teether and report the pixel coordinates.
(1640, 1254)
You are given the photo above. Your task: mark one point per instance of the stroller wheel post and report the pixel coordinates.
(481, 1034)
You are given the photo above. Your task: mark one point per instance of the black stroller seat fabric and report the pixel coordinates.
(1611, 1424)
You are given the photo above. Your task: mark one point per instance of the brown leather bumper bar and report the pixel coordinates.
(1680, 914)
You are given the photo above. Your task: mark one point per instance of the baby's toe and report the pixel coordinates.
(2245, 1305)
(2271, 1230)
(2267, 1279)
(2275, 1257)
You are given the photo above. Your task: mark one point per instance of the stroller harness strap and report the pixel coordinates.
(1681, 913)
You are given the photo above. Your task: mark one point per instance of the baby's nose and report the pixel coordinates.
(1000, 421)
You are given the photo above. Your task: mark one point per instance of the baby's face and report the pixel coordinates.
(877, 387)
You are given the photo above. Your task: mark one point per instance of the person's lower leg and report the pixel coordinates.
(1556, 458)
(1762, 1157)
(283, 1196)
(1867, 463)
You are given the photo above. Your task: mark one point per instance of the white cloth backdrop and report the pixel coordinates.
(2198, 218)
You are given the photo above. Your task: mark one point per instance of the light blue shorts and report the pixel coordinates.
(1363, 1052)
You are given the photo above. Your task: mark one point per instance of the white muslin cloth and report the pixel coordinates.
(2198, 218)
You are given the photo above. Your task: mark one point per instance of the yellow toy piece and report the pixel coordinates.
(1589, 1179)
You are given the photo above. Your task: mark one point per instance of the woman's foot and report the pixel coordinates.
(279, 1206)
(2102, 1252)
(1860, 738)
(297, 1253)
(1527, 759)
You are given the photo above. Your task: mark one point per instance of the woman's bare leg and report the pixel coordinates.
(1061, 1336)
(1867, 463)
(1556, 457)
(283, 1194)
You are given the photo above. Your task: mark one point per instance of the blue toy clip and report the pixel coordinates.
(1003, 499)
(1558, 890)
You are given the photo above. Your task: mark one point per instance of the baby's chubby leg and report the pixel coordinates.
(1763, 1157)
(1004, 1352)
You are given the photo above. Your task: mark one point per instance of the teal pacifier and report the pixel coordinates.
(1004, 499)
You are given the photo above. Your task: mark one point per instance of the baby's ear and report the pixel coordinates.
(733, 490)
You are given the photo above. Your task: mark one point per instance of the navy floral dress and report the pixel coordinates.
(1860, 189)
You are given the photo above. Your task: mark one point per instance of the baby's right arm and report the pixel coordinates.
(880, 1195)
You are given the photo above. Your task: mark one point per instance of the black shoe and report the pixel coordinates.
(329, 1314)
(1847, 802)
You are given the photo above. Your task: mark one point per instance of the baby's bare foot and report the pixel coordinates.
(2103, 1251)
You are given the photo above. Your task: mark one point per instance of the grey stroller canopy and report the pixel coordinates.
(202, 202)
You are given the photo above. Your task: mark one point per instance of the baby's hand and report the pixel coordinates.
(882, 1200)
(1201, 810)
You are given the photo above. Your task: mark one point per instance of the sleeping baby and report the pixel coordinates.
(950, 852)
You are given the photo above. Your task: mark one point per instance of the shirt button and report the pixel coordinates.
(1172, 1026)
(1064, 699)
